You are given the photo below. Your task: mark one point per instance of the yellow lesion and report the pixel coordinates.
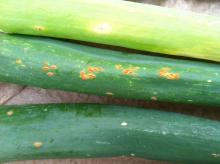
(131, 70)
(20, 63)
(90, 72)
(10, 113)
(118, 67)
(166, 73)
(154, 98)
(103, 28)
(39, 28)
(109, 93)
(38, 144)
(49, 69)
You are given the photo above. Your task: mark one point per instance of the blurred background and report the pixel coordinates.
(14, 94)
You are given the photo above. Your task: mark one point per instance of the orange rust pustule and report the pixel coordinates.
(53, 67)
(83, 75)
(49, 69)
(130, 71)
(87, 76)
(127, 71)
(90, 73)
(95, 69)
(50, 74)
(91, 76)
(165, 72)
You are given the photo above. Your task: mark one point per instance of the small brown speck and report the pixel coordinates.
(38, 145)
(10, 113)
(50, 74)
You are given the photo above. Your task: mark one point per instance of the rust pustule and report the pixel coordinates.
(49, 69)
(50, 74)
(94, 69)
(127, 71)
(53, 67)
(166, 73)
(90, 73)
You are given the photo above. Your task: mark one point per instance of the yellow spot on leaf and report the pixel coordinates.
(45, 68)
(109, 93)
(165, 72)
(18, 61)
(118, 67)
(38, 145)
(103, 28)
(10, 113)
(154, 98)
(39, 28)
